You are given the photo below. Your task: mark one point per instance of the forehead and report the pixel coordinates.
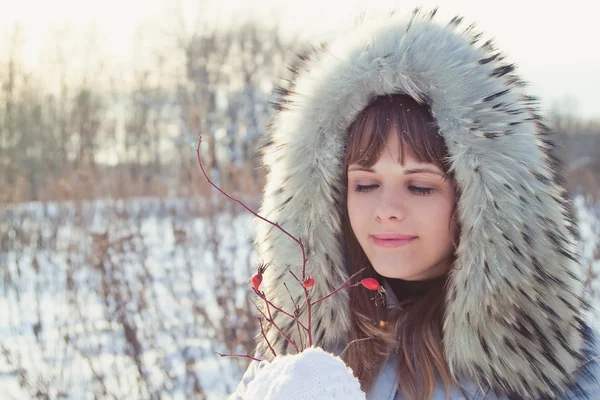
(404, 138)
(398, 150)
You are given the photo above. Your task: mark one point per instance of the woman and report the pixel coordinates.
(411, 149)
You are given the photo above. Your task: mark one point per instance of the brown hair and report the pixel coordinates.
(419, 323)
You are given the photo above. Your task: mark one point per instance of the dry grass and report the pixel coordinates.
(97, 307)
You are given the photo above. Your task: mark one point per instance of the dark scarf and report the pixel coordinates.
(404, 289)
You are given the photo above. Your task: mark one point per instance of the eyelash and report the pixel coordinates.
(415, 189)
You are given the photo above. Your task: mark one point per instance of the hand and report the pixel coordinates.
(312, 374)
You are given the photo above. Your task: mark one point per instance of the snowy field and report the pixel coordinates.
(123, 299)
(130, 299)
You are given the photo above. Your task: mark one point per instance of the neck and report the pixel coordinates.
(404, 289)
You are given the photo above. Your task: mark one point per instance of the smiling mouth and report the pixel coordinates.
(391, 243)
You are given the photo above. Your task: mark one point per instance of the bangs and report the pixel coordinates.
(412, 121)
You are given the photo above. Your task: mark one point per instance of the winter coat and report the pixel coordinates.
(587, 384)
(515, 312)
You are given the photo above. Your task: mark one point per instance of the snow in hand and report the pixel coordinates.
(313, 374)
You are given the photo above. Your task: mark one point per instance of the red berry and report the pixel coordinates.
(309, 282)
(370, 283)
(256, 281)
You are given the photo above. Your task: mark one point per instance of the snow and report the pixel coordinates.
(78, 277)
(312, 374)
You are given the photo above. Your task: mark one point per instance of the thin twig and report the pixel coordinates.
(238, 355)
(306, 301)
(262, 331)
(262, 296)
(296, 309)
(271, 320)
(260, 322)
(341, 287)
(275, 224)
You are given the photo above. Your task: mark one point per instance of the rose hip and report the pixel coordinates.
(256, 281)
(370, 283)
(309, 282)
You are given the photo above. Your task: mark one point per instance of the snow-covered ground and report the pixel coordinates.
(122, 299)
(130, 299)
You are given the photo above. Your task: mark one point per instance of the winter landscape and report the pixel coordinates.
(131, 299)
(122, 271)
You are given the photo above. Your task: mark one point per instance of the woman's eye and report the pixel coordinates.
(365, 188)
(415, 189)
(421, 190)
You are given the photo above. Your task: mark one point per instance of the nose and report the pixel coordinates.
(390, 207)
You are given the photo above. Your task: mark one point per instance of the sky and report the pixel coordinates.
(553, 43)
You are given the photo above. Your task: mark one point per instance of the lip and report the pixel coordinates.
(392, 240)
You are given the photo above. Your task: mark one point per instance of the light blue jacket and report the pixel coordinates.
(385, 388)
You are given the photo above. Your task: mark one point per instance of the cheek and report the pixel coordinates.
(352, 207)
(437, 219)
(356, 213)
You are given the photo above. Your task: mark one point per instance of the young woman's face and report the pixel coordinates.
(400, 214)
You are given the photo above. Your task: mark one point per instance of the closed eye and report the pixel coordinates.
(421, 190)
(365, 188)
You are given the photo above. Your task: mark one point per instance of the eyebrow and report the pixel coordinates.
(406, 172)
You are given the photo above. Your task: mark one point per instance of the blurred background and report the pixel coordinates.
(122, 271)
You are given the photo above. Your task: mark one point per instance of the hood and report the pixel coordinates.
(514, 304)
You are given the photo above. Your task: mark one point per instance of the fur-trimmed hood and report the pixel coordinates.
(515, 298)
